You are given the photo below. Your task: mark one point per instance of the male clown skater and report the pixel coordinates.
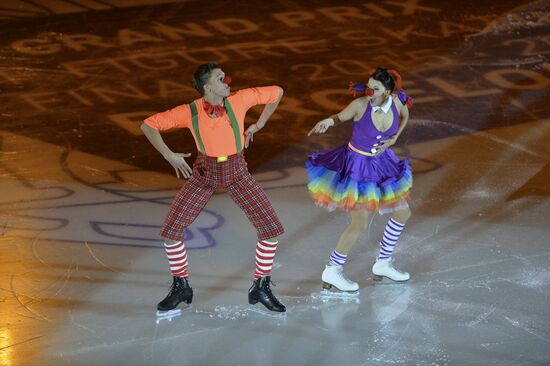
(216, 121)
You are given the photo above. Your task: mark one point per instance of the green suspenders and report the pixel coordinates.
(230, 114)
(195, 119)
(234, 124)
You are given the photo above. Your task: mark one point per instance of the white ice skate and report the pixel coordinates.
(384, 268)
(334, 276)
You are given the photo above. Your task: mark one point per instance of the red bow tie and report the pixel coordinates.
(213, 110)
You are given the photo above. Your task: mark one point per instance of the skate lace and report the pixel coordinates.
(267, 289)
(175, 288)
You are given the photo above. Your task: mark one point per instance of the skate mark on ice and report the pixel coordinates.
(18, 298)
(484, 263)
(391, 348)
(481, 318)
(230, 312)
(517, 324)
(263, 311)
(20, 343)
(493, 138)
(99, 260)
(236, 312)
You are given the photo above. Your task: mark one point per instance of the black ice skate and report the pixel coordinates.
(179, 292)
(260, 291)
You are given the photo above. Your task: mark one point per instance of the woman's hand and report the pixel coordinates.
(322, 126)
(388, 142)
(385, 144)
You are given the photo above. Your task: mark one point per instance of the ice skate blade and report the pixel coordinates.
(168, 315)
(378, 278)
(328, 286)
(339, 294)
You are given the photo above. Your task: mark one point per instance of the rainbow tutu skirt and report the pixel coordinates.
(346, 180)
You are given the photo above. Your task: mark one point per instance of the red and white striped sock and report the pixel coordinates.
(177, 257)
(265, 252)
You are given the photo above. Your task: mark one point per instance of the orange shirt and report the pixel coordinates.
(216, 133)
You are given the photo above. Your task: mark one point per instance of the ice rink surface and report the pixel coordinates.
(83, 193)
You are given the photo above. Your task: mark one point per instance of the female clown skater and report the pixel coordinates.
(364, 175)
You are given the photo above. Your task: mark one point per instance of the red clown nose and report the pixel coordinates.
(227, 80)
(369, 92)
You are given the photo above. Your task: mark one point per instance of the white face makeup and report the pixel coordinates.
(216, 85)
(380, 92)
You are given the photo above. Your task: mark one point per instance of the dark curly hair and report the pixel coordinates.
(202, 74)
(382, 75)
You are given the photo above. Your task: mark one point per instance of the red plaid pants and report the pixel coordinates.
(232, 175)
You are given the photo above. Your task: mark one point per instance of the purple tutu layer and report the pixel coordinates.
(382, 170)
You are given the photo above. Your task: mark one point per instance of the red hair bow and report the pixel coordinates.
(395, 75)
